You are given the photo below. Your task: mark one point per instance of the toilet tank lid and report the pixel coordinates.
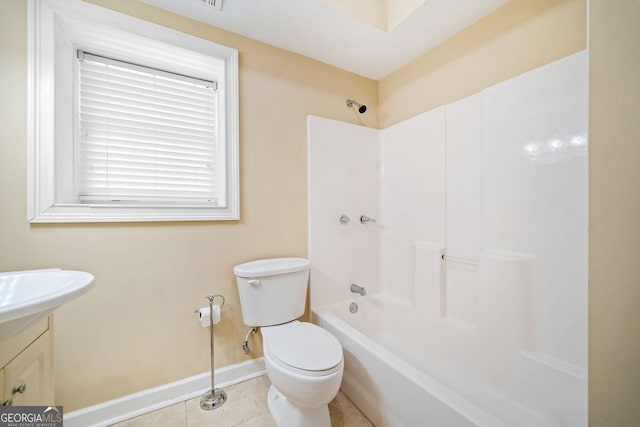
(271, 267)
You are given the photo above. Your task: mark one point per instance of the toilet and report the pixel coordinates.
(304, 362)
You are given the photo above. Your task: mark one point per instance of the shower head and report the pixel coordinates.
(361, 107)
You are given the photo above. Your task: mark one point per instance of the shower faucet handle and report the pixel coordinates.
(364, 219)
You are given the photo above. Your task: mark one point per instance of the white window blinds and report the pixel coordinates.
(145, 136)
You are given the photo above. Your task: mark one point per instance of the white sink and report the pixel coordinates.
(27, 296)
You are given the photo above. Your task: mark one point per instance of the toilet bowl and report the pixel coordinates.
(304, 362)
(305, 365)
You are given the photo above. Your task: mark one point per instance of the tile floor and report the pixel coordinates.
(246, 406)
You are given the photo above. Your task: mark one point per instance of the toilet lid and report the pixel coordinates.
(304, 346)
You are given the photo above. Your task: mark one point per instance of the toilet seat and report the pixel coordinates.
(304, 348)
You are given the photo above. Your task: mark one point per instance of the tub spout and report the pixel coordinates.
(358, 289)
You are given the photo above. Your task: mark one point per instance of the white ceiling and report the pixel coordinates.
(313, 29)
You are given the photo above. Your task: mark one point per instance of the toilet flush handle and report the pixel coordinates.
(253, 282)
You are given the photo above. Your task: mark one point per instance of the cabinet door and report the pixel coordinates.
(28, 377)
(3, 400)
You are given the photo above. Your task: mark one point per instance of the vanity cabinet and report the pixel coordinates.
(3, 399)
(26, 376)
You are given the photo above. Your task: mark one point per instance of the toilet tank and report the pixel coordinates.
(272, 291)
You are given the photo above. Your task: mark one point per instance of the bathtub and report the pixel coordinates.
(403, 369)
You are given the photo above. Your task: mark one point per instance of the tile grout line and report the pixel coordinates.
(186, 415)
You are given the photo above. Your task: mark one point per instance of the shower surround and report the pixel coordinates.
(476, 266)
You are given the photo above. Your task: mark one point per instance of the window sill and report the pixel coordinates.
(107, 213)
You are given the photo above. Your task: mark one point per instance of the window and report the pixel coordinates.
(128, 121)
(144, 135)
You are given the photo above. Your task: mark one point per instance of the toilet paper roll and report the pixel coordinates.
(205, 320)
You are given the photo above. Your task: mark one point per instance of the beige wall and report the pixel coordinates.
(518, 37)
(614, 213)
(136, 329)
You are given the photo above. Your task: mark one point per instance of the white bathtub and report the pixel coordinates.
(404, 370)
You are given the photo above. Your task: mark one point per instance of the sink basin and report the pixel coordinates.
(27, 296)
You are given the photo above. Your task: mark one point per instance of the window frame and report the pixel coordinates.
(57, 29)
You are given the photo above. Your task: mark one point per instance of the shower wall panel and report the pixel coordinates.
(535, 182)
(343, 180)
(412, 198)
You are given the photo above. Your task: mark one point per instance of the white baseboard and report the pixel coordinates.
(126, 407)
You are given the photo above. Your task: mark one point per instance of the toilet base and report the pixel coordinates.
(288, 414)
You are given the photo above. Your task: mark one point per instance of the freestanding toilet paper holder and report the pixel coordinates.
(215, 397)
